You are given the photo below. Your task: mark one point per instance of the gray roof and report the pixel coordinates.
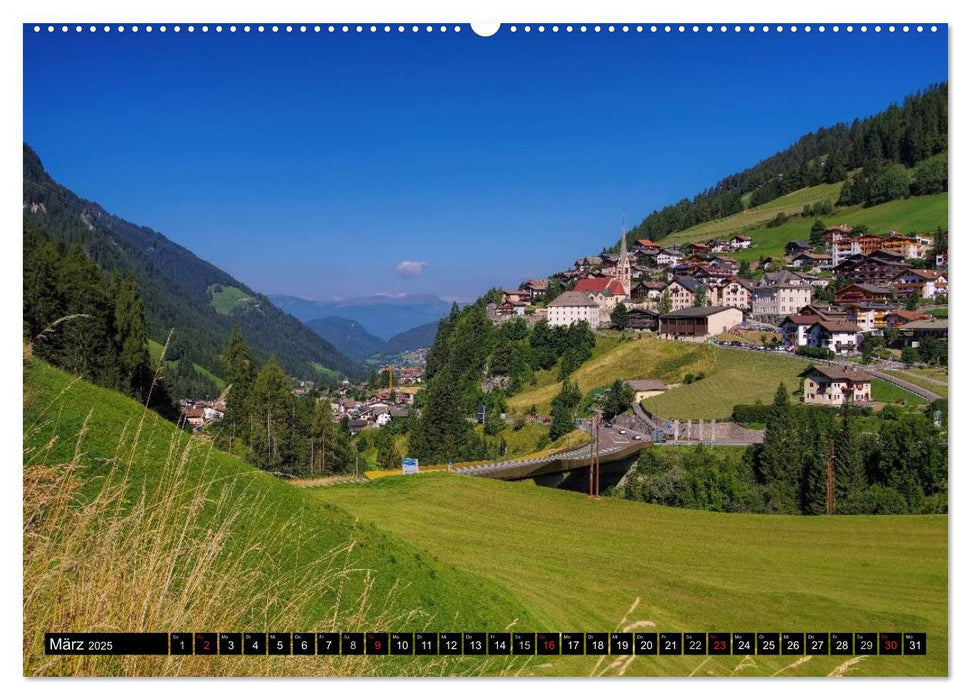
(689, 283)
(572, 299)
(646, 384)
(697, 312)
(934, 324)
(782, 278)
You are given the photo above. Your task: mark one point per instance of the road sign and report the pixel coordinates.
(409, 465)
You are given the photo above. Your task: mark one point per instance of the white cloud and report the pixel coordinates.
(411, 268)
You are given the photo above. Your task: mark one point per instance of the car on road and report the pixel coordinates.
(622, 431)
(638, 437)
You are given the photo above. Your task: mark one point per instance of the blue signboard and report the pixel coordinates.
(409, 465)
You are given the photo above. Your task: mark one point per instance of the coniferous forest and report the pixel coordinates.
(891, 464)
(911, 135)
(174, 284)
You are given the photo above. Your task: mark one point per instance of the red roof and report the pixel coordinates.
(600, 285)
(908, 315)
(804, 320)
(647, 243)
(926, 274)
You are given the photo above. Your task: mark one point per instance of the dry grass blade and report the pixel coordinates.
(841, 670)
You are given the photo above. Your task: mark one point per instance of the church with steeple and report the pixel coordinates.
(623, 263)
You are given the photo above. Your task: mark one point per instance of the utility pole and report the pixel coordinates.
(830, 482)
(593, 447)
(596, 488)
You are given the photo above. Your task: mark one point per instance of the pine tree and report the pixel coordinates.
(815, 456)
(620, 317)
(131, 339)
(330, 447)
(849, 476)
(779, 456)
(442, 431)
(388, 455)
(88, 346)
(239, 371)
(272, 418)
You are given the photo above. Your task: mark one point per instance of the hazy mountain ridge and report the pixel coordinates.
(384, 316)
(174, 282)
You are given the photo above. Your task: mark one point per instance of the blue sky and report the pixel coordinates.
(315, 164)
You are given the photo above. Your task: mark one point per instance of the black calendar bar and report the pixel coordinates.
(107, 644)
(485, 643)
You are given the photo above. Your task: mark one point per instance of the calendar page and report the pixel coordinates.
(524, 349)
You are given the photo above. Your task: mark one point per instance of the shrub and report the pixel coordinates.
(815, 353)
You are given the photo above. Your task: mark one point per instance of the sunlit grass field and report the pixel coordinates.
(133, 525)
(581, 565)
(642, 358)
(921, 214)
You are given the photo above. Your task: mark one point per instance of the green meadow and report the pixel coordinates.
(921, 214)
(132, 524)
(583, 565)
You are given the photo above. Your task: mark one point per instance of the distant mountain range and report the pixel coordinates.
(381, 315)
(348, 336)
(181, 291)
(352, 339)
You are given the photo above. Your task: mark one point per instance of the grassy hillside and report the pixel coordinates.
(133, 525)
(791, 203)
(583, 565)
(621, 359)
(736, 376)
(225, 299)
(921, 214)
(176, 286)
(155, 353)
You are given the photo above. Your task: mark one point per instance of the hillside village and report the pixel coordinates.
(828, 294)
(843, 294)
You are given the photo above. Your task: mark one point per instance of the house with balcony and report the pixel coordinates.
(841, 337)
(834, 386)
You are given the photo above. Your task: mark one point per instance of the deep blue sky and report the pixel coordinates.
(313, 164)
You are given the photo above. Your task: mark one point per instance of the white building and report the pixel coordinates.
(669, 256)
(572, 307)
(834, 386)
(839, 336)
(780, 294)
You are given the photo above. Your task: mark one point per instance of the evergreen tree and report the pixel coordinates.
(564, 405)
(330, 447)
(816, 233)
(388, 455)
(779, 455)
(272, 413)
(442, 431)
(848, 472)
(814, 460)
(618, 399)
(239, 371)
(88, 346)
(494, 424)
(619, 317)
(131, 338)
